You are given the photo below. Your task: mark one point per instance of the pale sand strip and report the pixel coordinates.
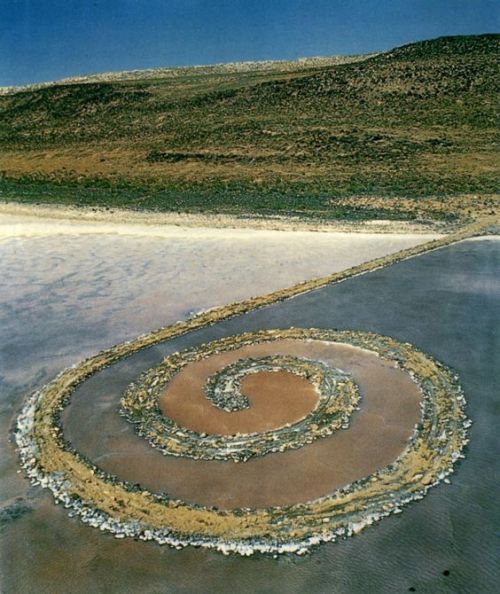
(20, 220)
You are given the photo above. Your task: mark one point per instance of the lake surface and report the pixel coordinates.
(445, 302)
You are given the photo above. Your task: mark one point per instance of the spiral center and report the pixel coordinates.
(225, 394)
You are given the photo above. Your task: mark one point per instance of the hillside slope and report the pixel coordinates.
(419, 121)
(268, 66)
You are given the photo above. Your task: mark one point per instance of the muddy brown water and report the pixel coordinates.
(276, 398)
(377, 434)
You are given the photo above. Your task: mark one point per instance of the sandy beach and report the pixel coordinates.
(23, 220)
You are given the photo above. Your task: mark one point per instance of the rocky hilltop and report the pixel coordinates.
(174, 72)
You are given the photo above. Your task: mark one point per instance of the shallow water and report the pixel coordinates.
(445, 302)
(377, 434)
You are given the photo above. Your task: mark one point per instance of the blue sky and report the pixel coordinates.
(50, 39)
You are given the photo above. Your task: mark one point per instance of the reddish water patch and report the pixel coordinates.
(377, 434)
(276, 398)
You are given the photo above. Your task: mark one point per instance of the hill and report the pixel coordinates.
(277, 67)
(408, 133)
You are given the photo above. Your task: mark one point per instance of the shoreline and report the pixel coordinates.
(43, 219)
